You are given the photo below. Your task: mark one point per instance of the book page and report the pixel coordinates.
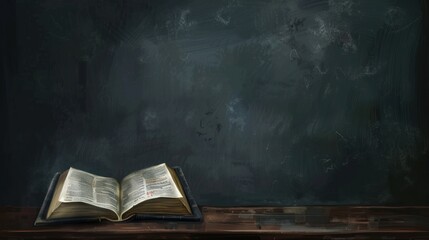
(98, 191)
(145, 184)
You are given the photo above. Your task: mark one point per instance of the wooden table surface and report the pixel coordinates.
(314, 222)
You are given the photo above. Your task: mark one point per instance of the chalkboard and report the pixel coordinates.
(298, 102)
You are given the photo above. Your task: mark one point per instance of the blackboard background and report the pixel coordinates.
(259, 102)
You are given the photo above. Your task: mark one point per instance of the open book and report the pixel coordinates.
(154, 190)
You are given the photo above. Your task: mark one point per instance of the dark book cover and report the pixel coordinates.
(196, 213)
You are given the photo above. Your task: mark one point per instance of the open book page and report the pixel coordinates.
(145, 184)
(81, 186)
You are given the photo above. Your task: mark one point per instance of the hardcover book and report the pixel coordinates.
(157, 192)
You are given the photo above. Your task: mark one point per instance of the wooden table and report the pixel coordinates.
(324, 222)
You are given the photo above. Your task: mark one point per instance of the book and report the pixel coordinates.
(157, 192)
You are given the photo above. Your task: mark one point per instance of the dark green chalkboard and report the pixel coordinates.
(259, 102)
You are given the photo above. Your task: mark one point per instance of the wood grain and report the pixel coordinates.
(315, 222)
